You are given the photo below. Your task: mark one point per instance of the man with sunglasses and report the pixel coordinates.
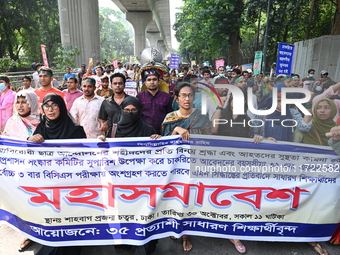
(156, 104)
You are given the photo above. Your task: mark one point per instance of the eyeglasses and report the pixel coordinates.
(52, 106)
(185, 96)
(130, 111)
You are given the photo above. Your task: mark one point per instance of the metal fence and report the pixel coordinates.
(16, 77)
(322, 53)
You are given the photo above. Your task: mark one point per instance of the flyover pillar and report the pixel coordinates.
(79, 26)
(153, 38)
(139, 21)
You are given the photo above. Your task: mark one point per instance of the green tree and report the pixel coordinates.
(289, 21)
(25, 25)
(116, 37)
(208, 29)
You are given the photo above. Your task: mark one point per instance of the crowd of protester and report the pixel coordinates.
(94, 105)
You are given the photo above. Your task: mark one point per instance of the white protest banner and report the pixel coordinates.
(129, 191)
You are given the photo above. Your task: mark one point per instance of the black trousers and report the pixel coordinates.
(147, 248)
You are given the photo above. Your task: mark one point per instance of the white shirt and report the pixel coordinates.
(36, 79)
(85, 112)
(120, 70)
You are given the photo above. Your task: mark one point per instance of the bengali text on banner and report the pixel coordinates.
(133, 190)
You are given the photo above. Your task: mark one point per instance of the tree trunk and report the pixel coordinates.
(234, 48)
(336, 26)
(310, 19)
(258, 31)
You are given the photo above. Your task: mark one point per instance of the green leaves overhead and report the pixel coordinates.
(205, 27)
(116, 37)
(25, 25)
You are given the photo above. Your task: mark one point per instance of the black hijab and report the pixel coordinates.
(64, 127)
(132, 124)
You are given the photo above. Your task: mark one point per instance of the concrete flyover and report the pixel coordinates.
(150, 19)
(79, 23)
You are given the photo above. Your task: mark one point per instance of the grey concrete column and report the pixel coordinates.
(161, 47)
(163, 50)
(139, 21)
(160, 44)
(79, 26)
(153, 38)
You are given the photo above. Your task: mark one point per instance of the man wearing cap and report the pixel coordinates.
(104, 90)
(45, 75)
(72, 92)
(324, 74)
(317, 83)
(250, 75)
(85, 109)
(120, 68)
(110, 110)
(156, 104)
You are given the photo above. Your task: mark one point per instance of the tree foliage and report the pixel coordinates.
(25, 25)
(289, 21)
(116, 37)
(206, 28)
(214, 28)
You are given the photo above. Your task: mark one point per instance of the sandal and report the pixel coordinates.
(187, 246)
(173, 238)
(238, 245)
(25, 244)
(317, 247)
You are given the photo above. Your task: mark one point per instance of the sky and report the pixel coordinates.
(173, 5)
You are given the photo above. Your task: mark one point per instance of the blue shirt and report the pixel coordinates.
(66, 76)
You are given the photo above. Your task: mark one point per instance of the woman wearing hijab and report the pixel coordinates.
(314, 128)
(57, 123)
(22, 125)
(25, 119)
(131, 123)
(6, 100)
